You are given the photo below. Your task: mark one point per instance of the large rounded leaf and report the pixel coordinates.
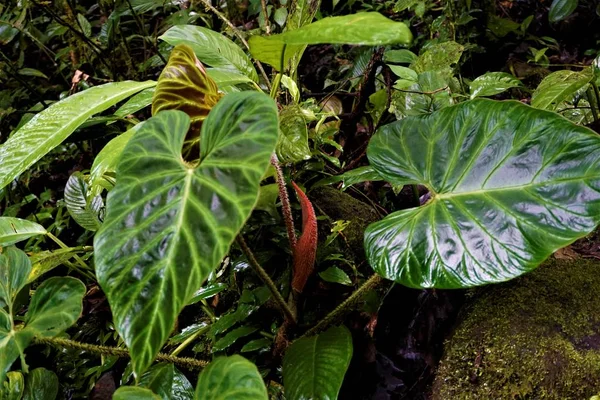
(50, 127)
(170, 223)
(314, 367)
(232, 378)
(509, 184)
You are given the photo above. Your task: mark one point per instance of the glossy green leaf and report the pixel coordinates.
(184, 85)
(428, 94)
(250, 301)
(13, 387)
(354, 29)
(212, 48)
(207, 292)
(136, 103)
(50, 127)
(12, 344)
(225, 78)
(14, 269)
(134, 393)
(335, 275)
(233, 336)
(188, 332)
(41, 384)
(510, 185)
(231, 378)
(14, 230)
(32, 72)
(55, 306)
(301, 13)
(352, 177)
(84, 210)
(314, 367)
(169, 223)
(167, 382)
(558, 87)
(493, 83)
(106, 161)
(292, 145)
(561, 9)
(258, 344)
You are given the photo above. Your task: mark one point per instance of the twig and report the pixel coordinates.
(287, 312)
(186, 362)
(286, 208)
(344, 308)
(239, 35)
(263, 4)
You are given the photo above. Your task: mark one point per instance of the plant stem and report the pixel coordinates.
(285, 309)
(189, 340)
(64, 246)
(186, 362)
(239, 35)
(597, 93)
(263, 4)
(286, 208)
(344, 308)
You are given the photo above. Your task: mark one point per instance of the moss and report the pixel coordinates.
(537, 337)
(338, 205)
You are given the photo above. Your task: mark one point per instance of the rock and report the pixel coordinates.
(537, 337)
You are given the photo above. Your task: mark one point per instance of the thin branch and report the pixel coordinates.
(287, 312)
(286, 208)
(340, 311)
(186, 362)
(239, 35)
(263, 4)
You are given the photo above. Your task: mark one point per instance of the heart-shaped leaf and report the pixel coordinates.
(509, 184)
(167, 382)
(184, 85)
(41, 384)
(169, 223)
(14, 269)
(50, 127)
(314, 367)
(14, 230)
(212, 48)
(232, 378)
(348, 29)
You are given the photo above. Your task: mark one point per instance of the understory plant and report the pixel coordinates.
(508, 184)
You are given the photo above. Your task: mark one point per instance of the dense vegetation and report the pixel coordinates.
(270, 198)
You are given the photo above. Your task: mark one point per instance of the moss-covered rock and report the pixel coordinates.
(537, 337)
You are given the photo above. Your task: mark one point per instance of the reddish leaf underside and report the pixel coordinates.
(306, 248)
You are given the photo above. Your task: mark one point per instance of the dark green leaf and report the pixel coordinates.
(169, 224)
(136, 103)
(257, 344)
(510, 185)
(561, 9)
(352, 177)
(232, 337)
(314, 367)
(206, 292)
(13, 387)
(134, 393)
(14, 269)
(14, 230)
(50, 127)
(335, 275)
(231, 378)
(41, 384)
(159, 379)
(212, 49)
(83, 209)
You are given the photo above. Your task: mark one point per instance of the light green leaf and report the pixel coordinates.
(401, 56)
(45, 261)
(169, 224)
(55, 306)
(292, 146)
(404, 73)
(14, 269)
(231, 378)
(14, 386)
(280, 16)
(510, 185)
(292, 88)
(225, 78)
(558, 87)
(14, 230)
(335, 275)
(106, 161)
(12, 344)
(41, 384)
(314, 367)
(354, 29)
(136, 103)
(439, 57)
(232, 337)
(493, 83)
(134, 393)
(83, 209)
(212, 48)
(49, 128)
(561, 9)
